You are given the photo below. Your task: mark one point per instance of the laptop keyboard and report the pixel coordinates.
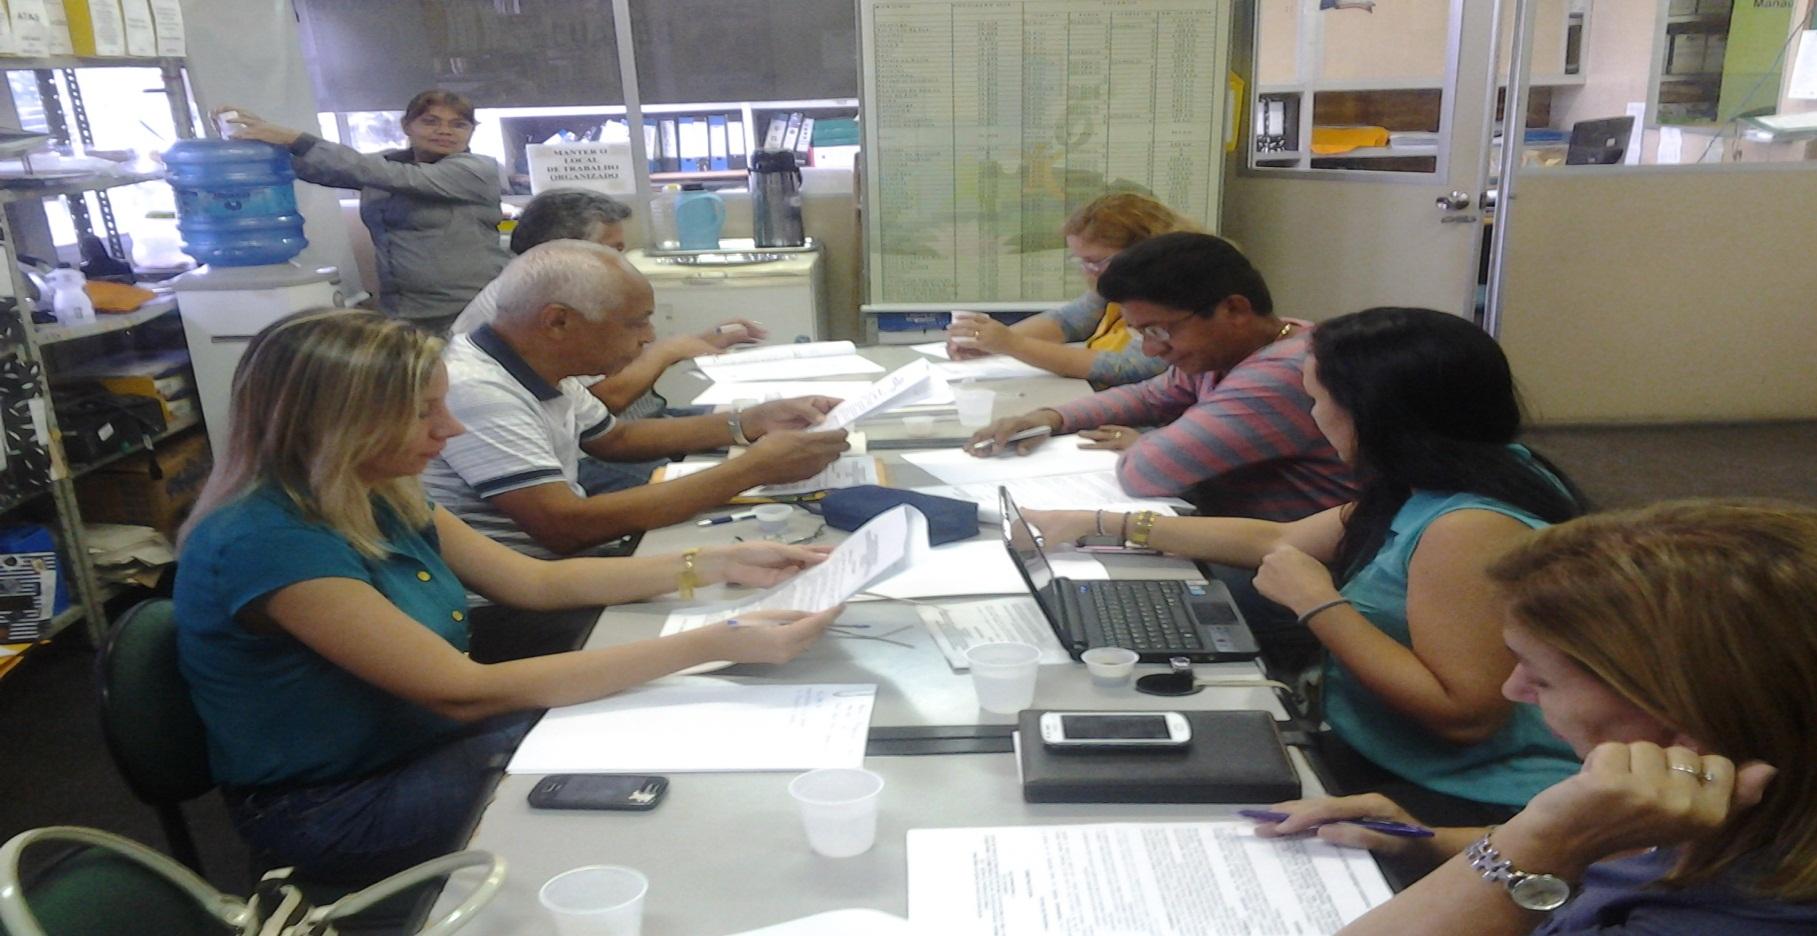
(1141, 615)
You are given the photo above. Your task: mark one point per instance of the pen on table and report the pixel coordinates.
(1384, 826)
(1022, 436)
(728, 518)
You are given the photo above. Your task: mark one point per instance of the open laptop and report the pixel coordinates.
(1157, 618)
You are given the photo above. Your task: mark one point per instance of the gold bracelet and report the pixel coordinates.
(1140, 528)
(689, 579)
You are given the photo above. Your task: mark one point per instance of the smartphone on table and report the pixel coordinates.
(598, 791)
(1115, 731)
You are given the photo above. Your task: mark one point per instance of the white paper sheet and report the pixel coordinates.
(846, 471)
(933, 349)
(1157, 879)
(872, 551)
(695, 725)
(990, 367)
(1056, 457)
(837, 366)
(974, 567)
(779, 389)
(958, 626)
(1096, 490)
(1803, 86)
(780, 352)
(839, 923)
(902, 384)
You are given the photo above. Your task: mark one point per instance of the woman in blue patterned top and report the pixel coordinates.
(1422, 405)
(321, 608)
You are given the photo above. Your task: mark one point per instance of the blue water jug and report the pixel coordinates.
(699, 217)
(236, 202)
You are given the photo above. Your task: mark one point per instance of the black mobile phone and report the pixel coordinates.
(598, 791)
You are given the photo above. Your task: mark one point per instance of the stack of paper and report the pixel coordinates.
(873, 550)
(1158, 879)
(1054, 458)
(973, 567)
(786, 362)
(846, 471)
(1091, 490)
(686, 724)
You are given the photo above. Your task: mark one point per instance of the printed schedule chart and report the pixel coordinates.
(989, 121)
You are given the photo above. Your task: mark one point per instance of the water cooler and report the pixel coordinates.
(236, 208)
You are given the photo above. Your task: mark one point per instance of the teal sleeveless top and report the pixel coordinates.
(1518, 761)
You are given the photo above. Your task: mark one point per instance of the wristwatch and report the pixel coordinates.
(1528, 891)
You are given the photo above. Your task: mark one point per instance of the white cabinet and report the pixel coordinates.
(696, 292)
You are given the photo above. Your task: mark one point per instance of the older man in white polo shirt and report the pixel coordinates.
(567, 309)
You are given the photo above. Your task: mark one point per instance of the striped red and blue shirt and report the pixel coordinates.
(1236, 444)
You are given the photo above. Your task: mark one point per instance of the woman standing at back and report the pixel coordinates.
(432, 207)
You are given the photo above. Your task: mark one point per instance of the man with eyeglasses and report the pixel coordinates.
(1229, 423)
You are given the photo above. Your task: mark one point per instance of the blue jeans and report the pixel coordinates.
(359, 831)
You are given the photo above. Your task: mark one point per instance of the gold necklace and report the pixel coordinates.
(1285, 328)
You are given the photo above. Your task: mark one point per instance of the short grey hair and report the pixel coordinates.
(589, 278)
(565, 214)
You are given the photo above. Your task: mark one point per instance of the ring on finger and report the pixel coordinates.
(1703, 776)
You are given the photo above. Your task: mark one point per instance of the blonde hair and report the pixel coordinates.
(317, 394)
(1703, 614)
(1125, 219)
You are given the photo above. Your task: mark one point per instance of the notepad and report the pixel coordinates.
(692, 724)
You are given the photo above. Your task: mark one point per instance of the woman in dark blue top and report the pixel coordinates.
(1674, 648)
(321, 607)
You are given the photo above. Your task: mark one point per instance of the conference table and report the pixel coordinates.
(726, 852)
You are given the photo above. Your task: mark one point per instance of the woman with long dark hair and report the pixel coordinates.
(1423, 406)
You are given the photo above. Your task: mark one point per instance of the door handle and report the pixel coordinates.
(1454, 201)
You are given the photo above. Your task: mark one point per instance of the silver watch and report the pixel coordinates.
(1528, 891)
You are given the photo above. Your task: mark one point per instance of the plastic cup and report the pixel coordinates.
(597, 900)
(960, 315)
(1110, 667)
(772, 519)
(1003, 675)
(839, 809)
(919, 427)
(976, 405)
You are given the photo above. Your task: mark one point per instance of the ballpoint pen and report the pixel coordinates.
(728, 518)
(1384, 826)
(1022, 436)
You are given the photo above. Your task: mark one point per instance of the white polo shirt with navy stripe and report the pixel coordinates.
(522, 431)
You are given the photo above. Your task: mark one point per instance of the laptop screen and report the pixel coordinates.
(1025, 547)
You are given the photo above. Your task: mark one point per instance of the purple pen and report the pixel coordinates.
(1384, 826)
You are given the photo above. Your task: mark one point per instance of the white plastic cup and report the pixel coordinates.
(838, 809)
(597, 900)
(1003, 675)
(976, 405)
(919, 427)
(960, 315)
(772, 519)
(1110, 667)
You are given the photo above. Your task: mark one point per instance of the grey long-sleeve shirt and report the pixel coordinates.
(434, 225)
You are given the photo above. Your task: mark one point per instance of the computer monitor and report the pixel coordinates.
(1599, 142)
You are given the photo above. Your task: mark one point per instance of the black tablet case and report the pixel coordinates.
(1234, 757)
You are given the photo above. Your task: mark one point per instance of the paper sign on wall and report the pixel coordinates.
(141, 40)
(95, 27)
(7, 44)
(167, 18)
(28, 27)
(601, 167)
(1803, 86)
(56, 29)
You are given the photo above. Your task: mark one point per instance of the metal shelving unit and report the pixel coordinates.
(89, 595)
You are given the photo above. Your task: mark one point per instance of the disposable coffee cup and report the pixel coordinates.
(1110, 667)
(772, 519)
(976, 405)
(596, 900)
(919, 427)
(1003, 675)
(838, 809)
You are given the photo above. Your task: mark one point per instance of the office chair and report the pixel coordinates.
(150, 724)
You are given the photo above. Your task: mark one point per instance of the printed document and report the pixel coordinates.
(1052, 458)
(990, 367)
(1094, 490)
(845, 471)
(787, 361)
(873, 550)
(958, 626)
(1154, 878)
(904, 383)
(689, 724)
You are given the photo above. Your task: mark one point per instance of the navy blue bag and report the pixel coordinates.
(948, 520)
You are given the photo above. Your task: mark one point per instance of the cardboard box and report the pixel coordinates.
(154, 489)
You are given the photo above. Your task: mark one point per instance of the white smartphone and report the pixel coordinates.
(1115, 729)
